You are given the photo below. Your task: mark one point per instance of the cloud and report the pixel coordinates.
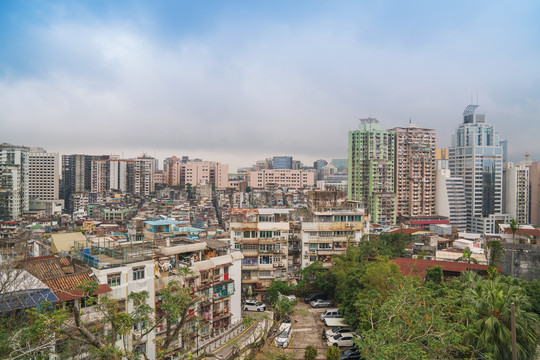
(243, 90)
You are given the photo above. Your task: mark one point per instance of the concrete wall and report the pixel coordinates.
(527, 261)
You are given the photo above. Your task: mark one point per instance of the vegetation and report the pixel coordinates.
(413, 318)
(101, 328)
(495, 252)
(332, 353)
(310, 353)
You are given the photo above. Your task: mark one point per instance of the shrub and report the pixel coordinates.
(311, 353)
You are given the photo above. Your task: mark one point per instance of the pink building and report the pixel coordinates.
(178, 173)
(295, 179)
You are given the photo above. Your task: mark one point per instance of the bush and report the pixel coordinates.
(311, 353)
(332, 353)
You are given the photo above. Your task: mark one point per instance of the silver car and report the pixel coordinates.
(321, 303)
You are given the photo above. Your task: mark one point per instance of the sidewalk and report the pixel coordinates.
(240, 341)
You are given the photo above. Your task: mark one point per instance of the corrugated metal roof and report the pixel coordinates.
(417, 267)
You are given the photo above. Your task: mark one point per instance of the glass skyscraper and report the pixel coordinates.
(476, 156)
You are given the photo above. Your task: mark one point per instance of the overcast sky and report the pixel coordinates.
(237, 81)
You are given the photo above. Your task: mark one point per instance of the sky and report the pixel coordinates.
(239, 81)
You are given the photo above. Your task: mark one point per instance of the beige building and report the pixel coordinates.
(534, 184)
(181, 172)
(415, 171)
(262, 236)
(44, 174)
(326, 234)
(294, 179)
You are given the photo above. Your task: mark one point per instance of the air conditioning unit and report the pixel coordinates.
(348, 224)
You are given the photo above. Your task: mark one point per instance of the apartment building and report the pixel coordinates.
(534, 186)
(76, 177)
(14, 181)
(516, 195)
(415, 171)
(143, 176)
(450, 199)
(44, 174)
(293, 179)
(179, 172)
(112, 174)
(326, 234)
(126, 267)
(214, 280)
(262, 236)
(372, 171)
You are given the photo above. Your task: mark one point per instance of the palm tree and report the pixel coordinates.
(490, 323)
(513, 228)
(467, 256)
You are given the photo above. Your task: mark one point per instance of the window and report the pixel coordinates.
(114, 279)
(265, 259)
(138, 273)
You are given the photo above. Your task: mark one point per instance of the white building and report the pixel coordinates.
(14, 180)
(517, 191)
(450, 199)
(476, 156)
(143, 176)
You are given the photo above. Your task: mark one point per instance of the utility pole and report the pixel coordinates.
(513, 327)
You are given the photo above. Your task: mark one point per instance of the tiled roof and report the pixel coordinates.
(50, 270)
(419, 267)
(531, 232)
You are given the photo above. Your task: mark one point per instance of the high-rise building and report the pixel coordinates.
(476, 156)
(534, 186)
(14, 180)
(517, 191)
(143, 176)
(341, 164)
(319, 164)
(415, 171)
(450, 199)
(76, 177)
(282, 162)
(372, 171)
(44, 174)
(112, 174)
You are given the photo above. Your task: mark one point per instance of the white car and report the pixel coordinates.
(291, 298)
(285, 334)
(345, 339)
(338, 330)
(253, 306)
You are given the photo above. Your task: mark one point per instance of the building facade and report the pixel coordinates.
(327, 234)
(282, 162)
(44, 174)
(76, 177)
(534, 186)
(517, 191)
(112, 174)
(294, 179)
(476, 156)
(14, 181)
(415, 171)
(143, 176)
(372, 171)
(450, 199)
(262, 236)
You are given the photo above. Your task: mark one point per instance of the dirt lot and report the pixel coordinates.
(307, 330)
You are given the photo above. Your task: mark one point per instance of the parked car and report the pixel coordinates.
(313, 297)
(253, 306)
(331, 313)
(321, 303)
(338, 330)
(289, 297)
(340, 340)
(284, 337)
(350, 354)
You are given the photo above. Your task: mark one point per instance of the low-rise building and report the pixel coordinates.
(262, 237)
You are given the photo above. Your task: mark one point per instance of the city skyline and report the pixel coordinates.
(237, 82)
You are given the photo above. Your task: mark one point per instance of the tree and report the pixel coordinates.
(495, 252)
(310, 353)
(332, 353)
(513, 228)
(276, 288)
(467, 256)
(414, 322)
(434, 274)
(489, 330)
(97, 328)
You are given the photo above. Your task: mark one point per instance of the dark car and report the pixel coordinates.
(313, 297)
(350, 354)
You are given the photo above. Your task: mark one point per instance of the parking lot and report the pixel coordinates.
(307, 330)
